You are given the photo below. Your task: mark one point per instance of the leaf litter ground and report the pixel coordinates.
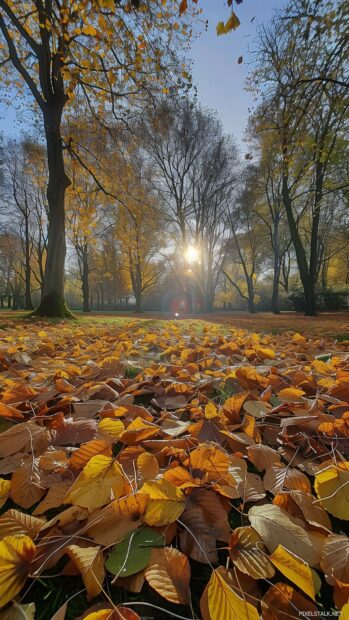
(177, 469)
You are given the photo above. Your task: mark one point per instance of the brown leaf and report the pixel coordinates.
(282, 602)
(168, 573)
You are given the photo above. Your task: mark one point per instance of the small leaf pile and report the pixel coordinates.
(139, 457)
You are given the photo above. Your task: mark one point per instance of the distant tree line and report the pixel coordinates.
(161, 209)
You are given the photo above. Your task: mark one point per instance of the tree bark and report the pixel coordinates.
(85, 285)
(307, 276)
(52, 302)
(250, 301)
(28, 297)
(208, 303)
(276, 276)
(275, 294)
(139, 301)
(309, 298)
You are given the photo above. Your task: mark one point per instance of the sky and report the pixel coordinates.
(218, 76)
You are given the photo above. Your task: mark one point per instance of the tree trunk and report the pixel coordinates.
(208, 304)
(275, 295)
(276, 276)
(52, 302)
(250, 301)
(139, 301)
(27, 295)
(85, 284)
(309, 297)
(307, 276)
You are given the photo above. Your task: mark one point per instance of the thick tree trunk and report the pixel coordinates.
(307, 275)
(208, 304)
(309, 298)
(139, 301)
(250, 301)
(52, 302)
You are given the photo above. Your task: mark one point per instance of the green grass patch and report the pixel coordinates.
(342, 337)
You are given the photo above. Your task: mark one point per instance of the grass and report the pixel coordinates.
(328, 325)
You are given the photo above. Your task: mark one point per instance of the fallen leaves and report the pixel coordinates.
(249, 554)
(168, 573)
(90, 563)
(332, 488)
(16, 555)
(296, 570)
(100, 481)
(276, 527)
(133, 553)
(224, 448)
(223, 602)
(166, 502)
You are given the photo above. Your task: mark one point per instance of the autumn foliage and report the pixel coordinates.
(141, 457)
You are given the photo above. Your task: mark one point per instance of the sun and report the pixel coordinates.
(191, 254)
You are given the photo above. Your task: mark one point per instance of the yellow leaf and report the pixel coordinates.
(5, 486)
(296, 570)
(220, 28)
(139, 430)
(16, 555)
(111, 523)
(210, 411)
(89, 30)
(90, 563)
(223, 602)
(111, 428)
(233, 23)
(265, 354)
(322, 368)
(298, 338)
(107, 4)
(100, 481)
(15, 523)
(166, 502)
(332, 488)
(290, 394)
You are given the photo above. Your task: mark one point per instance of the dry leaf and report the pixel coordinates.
(276, 527)
(16, 555)
(100, 481)
(249, 554)
(296, 570)
(168, 573)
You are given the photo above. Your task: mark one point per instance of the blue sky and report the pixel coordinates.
(219, 78)
(217, 74)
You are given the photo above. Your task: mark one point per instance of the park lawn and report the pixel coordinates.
(326, 325)
(183, 417)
